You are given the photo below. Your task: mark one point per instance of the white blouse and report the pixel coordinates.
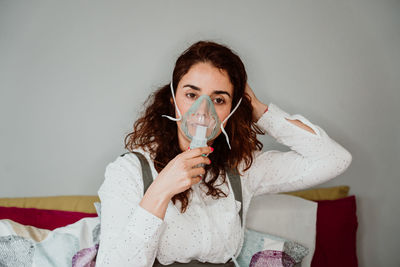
(210, 230)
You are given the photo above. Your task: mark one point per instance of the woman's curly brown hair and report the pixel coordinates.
(149, 131)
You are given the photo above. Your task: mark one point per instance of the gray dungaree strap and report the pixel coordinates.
(236, 184)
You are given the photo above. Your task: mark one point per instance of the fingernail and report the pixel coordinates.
(188, 148)
(212, 149)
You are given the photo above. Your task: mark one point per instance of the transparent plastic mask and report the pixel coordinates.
(202, 113)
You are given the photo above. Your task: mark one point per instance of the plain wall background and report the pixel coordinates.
(74, 74)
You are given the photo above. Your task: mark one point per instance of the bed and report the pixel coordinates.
(315, 227)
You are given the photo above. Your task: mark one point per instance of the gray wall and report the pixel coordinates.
(74, 74)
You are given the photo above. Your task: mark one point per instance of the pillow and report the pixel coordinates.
(336, 233)
(286, 216)
(73, 245)
(328, 193)
(261, 249)
(66, 203)
(47, 219)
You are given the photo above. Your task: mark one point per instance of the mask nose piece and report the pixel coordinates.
(202, 113)
(201, 118)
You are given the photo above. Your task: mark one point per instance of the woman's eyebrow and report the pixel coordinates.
(221, 93)
(192, 86)
(217, 92)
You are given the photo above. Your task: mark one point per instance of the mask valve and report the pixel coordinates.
(200, 139)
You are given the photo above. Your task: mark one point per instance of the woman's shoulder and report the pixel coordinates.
(126, 164)
(124, 172)
(130, 158)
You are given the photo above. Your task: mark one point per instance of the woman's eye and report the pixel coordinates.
(219, 101)
(190, 95)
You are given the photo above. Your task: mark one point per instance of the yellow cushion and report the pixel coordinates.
(85, 203)
(66, 203)
(27, 231)
(328, 193)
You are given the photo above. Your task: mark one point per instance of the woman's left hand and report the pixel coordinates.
(258, 107)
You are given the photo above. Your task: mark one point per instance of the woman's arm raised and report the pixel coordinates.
(314, 157)
(260, 108)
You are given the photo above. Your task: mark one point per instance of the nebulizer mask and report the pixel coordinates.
(201, 123)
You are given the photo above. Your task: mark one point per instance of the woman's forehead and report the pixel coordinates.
(207, 79)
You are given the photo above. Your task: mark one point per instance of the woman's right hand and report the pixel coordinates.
(181, 173)
(175, 178)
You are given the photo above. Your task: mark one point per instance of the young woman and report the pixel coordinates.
(190, 212)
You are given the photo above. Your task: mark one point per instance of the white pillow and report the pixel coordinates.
(286, 216)
(261, 249)
(72, 245)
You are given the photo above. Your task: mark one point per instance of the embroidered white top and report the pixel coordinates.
(132, 236)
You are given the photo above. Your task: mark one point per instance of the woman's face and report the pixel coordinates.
(203, 79)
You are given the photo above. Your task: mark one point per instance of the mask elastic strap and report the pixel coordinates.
(176, 106)
(222, 124)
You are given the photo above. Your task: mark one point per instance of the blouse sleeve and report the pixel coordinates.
(313, 158)
(129, 233)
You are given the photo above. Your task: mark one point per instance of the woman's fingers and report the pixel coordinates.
(199, 160)
(184, 170)
(250, 92)
(196, 180)
(198, 171)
